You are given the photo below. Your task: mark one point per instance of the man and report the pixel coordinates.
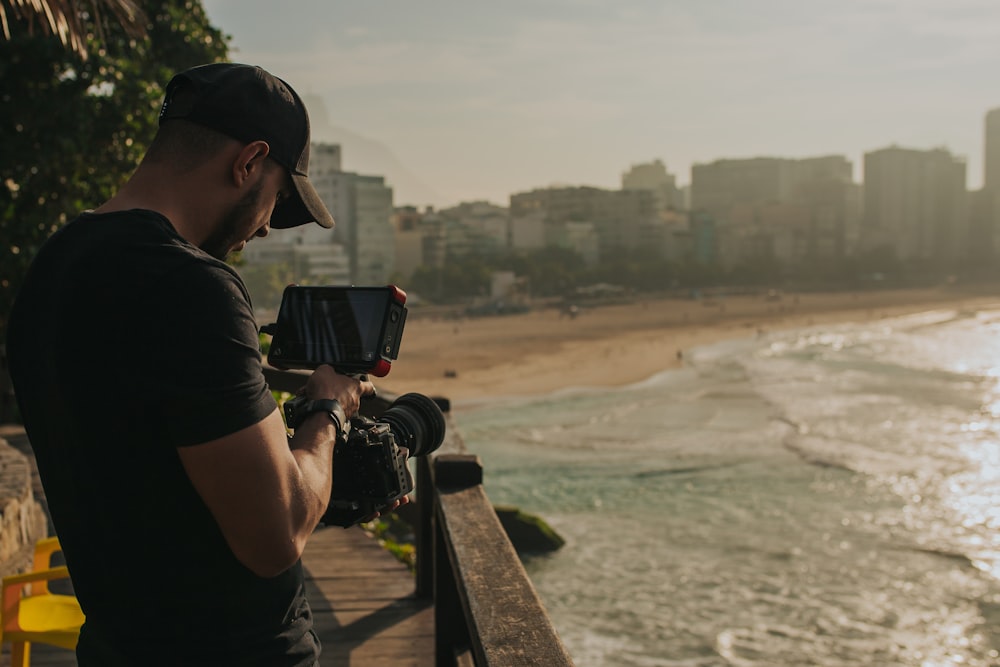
(181, 505)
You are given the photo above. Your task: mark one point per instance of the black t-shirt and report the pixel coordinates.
(125, 343)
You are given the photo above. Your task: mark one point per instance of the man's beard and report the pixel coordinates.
(232, 229)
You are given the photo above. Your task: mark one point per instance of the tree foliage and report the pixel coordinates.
(460, 278)
(560, 272)
(73, 129)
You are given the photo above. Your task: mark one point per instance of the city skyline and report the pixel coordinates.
(483, 101)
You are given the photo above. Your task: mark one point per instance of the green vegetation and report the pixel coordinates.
(267, 282)
(395, 535)
(529, 534)
(74, 128)
(560, 272)
(67, 21)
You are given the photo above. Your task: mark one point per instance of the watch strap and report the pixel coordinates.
(335, 410)
(331, 406)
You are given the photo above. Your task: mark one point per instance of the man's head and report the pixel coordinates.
(250, 105)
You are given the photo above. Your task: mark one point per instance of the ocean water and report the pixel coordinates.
(819, 497)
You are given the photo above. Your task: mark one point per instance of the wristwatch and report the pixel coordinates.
(298, 413)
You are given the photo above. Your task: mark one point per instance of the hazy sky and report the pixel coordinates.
(482, 99)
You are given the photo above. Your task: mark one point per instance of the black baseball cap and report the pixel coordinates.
(248, 104)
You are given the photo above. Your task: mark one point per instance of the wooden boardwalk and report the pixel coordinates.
(362, 598)
(363, 602)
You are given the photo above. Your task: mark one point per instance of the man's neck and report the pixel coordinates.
(171, 196)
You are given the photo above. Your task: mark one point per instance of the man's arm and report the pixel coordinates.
(266, 493)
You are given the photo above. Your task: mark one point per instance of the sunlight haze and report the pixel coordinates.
(481, 100)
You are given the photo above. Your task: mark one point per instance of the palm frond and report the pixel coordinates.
(65, 18)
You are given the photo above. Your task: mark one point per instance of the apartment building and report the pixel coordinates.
(476, 227)
(915, 203)
(789, 210)
(654, 178)
(618, 216)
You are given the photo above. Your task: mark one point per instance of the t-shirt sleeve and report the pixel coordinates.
(206, 368)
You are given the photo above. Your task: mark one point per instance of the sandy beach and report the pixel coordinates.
(469, 359)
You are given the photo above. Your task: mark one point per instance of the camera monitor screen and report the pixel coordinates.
(353, 329)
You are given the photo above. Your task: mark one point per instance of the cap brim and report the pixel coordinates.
(302, 209)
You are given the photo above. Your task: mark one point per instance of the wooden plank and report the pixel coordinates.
(363, 601)
(45, 656)
(508, 624)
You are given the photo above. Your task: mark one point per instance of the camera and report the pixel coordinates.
(356, 330)
(370, 469)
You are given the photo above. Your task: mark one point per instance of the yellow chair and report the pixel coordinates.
(31, 613)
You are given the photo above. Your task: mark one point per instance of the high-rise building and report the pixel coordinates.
(991, 162)
(984, 204)
(915, 203)
(719, 186)
(363, 210)
(789, 210)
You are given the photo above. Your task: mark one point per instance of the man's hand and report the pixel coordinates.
(405, 500)
(328, 383)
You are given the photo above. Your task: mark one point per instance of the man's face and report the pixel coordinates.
(250, 216)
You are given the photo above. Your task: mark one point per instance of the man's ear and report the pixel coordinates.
(250, 161)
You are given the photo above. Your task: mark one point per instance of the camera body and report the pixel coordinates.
(370, 470)
(370, 473)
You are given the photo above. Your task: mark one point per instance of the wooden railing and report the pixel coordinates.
(486, 611)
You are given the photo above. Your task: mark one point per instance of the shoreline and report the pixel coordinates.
(470, 360)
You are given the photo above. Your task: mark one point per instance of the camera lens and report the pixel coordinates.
(417, 423)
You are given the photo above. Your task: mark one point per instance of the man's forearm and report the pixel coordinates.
(312, 446)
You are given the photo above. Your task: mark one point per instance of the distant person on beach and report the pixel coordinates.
(181, 505)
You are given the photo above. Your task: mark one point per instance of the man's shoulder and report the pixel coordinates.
(144, 241)
(127, 225)
(123, 266)
(99, 243)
